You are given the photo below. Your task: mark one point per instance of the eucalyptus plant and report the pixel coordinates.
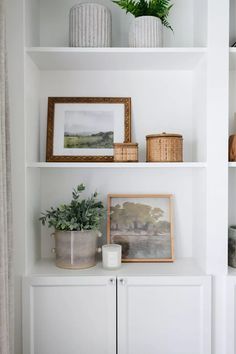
(156, 8)
(79, 214)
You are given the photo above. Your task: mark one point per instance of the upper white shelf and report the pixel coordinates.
(116, 58)
(232, 164)
(116, 165)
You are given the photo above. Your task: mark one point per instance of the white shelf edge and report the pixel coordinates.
(112, 59)
(231, 271)
(116, 50)
(117, 165)
(232, 58)
(180, 267)
(232, 164)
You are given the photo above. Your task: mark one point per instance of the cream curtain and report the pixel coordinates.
(6, 277)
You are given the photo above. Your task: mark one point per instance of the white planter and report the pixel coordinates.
(90, 25)
(146, 31)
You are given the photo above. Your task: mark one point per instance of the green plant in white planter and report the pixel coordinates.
(150, 16)
(76, 230)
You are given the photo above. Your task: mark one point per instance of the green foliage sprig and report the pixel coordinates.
(85, 214)
(156, 8)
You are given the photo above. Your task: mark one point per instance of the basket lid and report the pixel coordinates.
(164, 135)
(125, 144)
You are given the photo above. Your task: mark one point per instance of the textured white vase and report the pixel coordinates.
(146, 31)
(90, 25)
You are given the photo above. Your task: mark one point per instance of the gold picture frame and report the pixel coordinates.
(151, 240)
(56, 127)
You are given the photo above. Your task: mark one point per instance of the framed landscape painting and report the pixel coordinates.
(142, 224)
(83, 129)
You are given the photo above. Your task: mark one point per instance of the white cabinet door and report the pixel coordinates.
(164, 315)
(74, 315)
(231, 315)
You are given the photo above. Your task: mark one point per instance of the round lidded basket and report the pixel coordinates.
(164, 148)
(125, 152)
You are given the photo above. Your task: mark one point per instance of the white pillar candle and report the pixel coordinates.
(111, 256)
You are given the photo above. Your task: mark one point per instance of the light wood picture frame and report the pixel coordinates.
(143, 225)
(83, 129)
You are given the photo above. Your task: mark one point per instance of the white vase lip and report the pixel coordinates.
(82, 4)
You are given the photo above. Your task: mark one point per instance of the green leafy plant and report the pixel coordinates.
(78, 215)
(156, 8)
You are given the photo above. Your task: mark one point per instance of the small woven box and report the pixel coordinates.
(125, 152)
(232, 147)
(164, 148)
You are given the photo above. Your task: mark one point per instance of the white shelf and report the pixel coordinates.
(232, 271)
(64, 58)
(232, 58)
(181, 267)
(117, 165)
(232, 164)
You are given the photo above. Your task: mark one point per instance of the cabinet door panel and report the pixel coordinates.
(158, 315)
(231, 315)
(70, 316)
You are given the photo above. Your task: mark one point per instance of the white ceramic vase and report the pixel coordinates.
(146, 32)
(90, 25)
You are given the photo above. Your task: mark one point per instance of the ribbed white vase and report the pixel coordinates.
(146, 31)
(90, 25)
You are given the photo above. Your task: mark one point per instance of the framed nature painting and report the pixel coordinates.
(83, 129)
(142, 224)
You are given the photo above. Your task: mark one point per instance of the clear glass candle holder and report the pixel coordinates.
(111, 256)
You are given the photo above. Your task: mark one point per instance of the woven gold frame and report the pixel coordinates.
(126, 101)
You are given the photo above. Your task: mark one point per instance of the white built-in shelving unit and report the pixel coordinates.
(168, 90)
(187, 87)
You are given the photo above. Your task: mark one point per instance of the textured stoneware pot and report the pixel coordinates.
(146, 32)
(90, 25)
(76, 249)
(232, 246)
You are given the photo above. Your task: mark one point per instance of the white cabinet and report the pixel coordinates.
(69, 316)
(164, 315)
(154, 315)
(231, 313)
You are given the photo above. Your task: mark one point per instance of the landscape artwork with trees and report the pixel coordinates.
(142, 226)
(88, 129)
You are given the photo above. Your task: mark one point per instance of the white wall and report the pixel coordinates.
(188, 18)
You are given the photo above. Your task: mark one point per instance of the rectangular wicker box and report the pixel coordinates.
(164, 148)
(125, 152)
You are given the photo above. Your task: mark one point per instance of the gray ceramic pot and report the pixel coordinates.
(232, 246)
(76, 249)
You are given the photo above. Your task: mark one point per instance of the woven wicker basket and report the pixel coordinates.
(125, 152)
(164, 148)
(232, 147)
